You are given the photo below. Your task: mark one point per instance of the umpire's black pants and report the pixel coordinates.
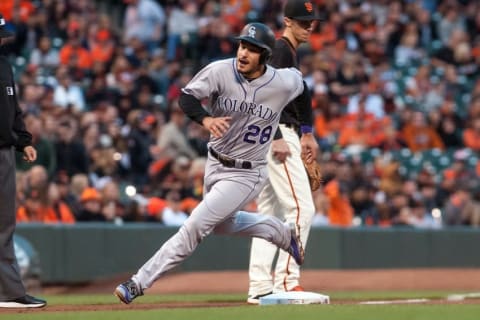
(11, 286)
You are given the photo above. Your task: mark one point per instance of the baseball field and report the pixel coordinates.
(414, 294)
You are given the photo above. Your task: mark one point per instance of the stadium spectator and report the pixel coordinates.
(419, 135)
(42, 201)
(44, 56)
(445, 54)
(67, 94)
(144, 20)
(116, 61)
(72, 53)
(172, 140)
(182, 31)
(347, 80)
(91, 201)
(59, 211)
(46, 155)
(340, 211)
(471, 135)
(450, 20)
(455, 208)
(370, 100)
(140, 147)
(448, 124)
(173, 215)
(71, 155)
(390, 139)
(155, 208)
(427, 29)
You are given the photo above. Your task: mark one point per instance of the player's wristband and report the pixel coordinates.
(306, 129)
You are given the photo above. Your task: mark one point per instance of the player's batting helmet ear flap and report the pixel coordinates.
(265, 56)
(261, 36)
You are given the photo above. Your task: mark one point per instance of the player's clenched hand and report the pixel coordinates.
(217, 126)
(280, 150)
(309, 147)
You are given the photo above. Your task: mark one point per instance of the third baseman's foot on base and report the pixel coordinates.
(297, 288)
(256, 299)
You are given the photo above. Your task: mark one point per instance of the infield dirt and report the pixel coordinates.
(321, 281)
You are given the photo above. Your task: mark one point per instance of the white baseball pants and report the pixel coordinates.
(286, 195)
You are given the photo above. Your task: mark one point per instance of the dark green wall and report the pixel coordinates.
(84, 252)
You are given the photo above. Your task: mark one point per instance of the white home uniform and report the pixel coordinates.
(255, 108)
(286, 195)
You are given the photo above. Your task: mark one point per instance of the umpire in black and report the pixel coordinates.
(13, 136)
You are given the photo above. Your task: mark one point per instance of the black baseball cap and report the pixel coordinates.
(300, 10)
(4, 33)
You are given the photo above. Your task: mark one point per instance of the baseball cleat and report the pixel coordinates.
(297, 288)
(256, 299)
(296, 247)
(128, 291)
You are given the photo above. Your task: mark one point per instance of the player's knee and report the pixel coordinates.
(306, 216)
(196, 228)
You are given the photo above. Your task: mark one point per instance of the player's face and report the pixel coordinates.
(302, 29)
(248, 60)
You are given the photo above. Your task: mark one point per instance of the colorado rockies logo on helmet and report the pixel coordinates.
(252, 31)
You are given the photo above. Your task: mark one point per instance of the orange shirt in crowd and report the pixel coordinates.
(47, 214)
(103, 47)
(324, 127)
(359, 129)
(471, 139)
(102, 53)
(340, 212)
(366, 31)
(476, 51)
(234, 12)
(319, 39)
(421, 138)
(84, 59)
(26, 8)
(354, 136)
(321, 126)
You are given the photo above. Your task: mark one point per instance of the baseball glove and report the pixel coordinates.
(314, 173)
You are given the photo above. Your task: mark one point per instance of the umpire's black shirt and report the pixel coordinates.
(285, 56)
(12, 127)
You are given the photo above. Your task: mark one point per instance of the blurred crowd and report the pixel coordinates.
(394, 84)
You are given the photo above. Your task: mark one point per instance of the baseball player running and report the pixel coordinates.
(287, 194)
(245, 98)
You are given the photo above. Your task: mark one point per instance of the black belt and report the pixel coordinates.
(229, 162)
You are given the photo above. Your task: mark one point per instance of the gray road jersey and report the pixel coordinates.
(254, 106)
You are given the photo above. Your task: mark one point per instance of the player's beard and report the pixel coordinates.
(250, 70)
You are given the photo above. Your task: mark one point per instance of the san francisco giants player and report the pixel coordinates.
(287, 193)
(245, 99)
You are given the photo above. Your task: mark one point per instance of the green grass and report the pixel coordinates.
(231, 297)
(288, 312)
